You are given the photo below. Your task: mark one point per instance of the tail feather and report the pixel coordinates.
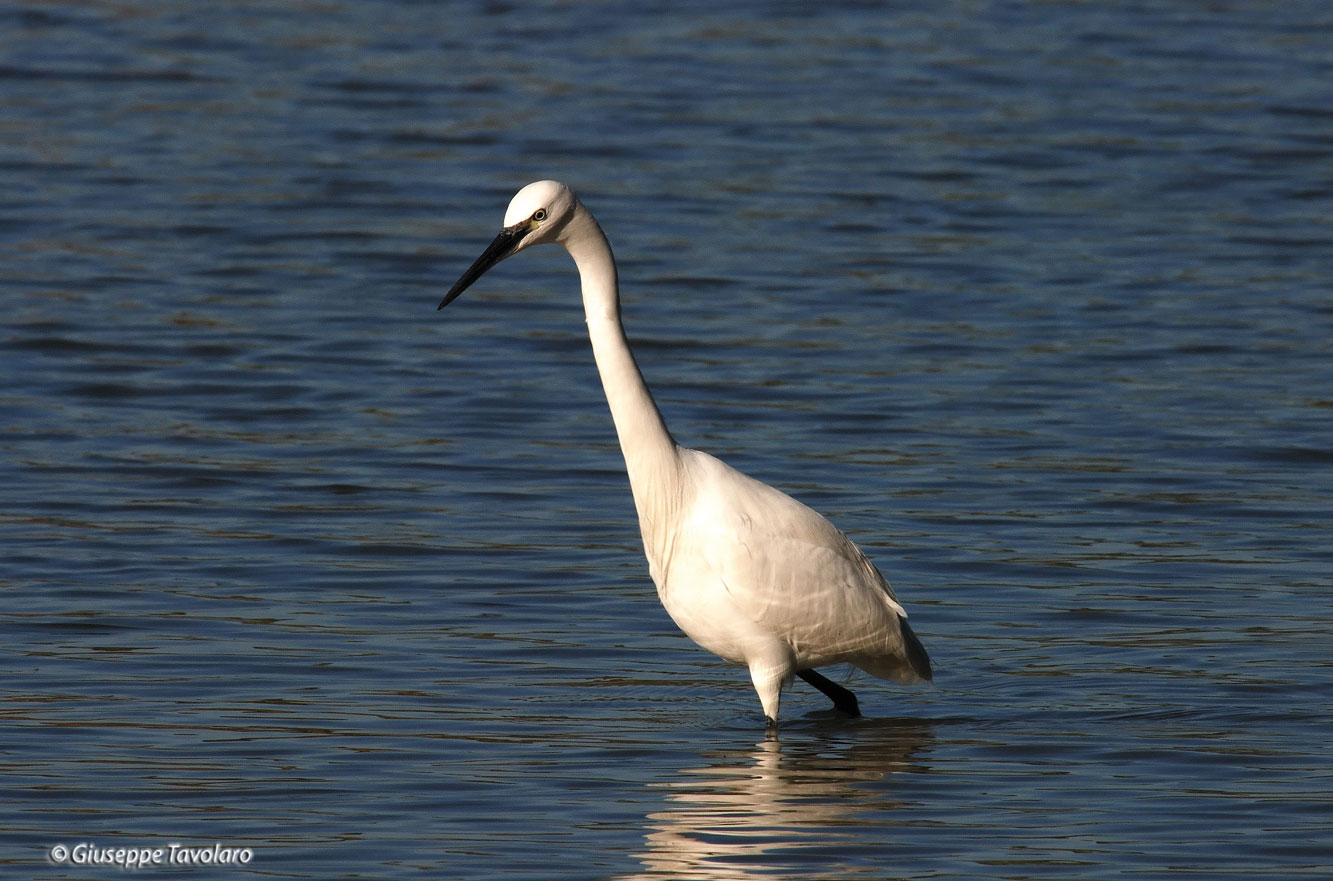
(916, 652)
(909, 666)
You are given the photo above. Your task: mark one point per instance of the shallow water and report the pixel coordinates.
(1031, 300)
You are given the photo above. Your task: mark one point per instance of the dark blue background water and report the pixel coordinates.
(1031, 299)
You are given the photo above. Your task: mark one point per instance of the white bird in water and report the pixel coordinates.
(745, 570)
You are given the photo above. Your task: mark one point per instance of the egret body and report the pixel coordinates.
(745, 570)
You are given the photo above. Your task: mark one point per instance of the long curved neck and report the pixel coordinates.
(651, 455)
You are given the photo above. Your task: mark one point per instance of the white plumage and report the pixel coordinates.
(745, 570)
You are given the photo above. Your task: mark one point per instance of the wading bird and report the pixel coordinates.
(746, 571)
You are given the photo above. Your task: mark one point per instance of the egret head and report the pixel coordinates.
(536, 214)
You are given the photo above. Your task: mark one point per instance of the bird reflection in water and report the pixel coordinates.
(781, 810)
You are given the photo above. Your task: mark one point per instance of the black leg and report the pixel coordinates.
(842, 698)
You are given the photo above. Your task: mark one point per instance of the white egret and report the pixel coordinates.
(746, 571)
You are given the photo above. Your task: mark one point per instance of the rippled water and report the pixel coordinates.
(1031, 299)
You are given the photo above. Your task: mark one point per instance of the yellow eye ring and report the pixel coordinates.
(539, 215)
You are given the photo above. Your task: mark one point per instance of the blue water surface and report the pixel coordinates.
(1031, 299)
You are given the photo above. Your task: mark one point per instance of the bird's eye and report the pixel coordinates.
(539, 215)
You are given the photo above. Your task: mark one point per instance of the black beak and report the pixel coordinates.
(503, 245)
